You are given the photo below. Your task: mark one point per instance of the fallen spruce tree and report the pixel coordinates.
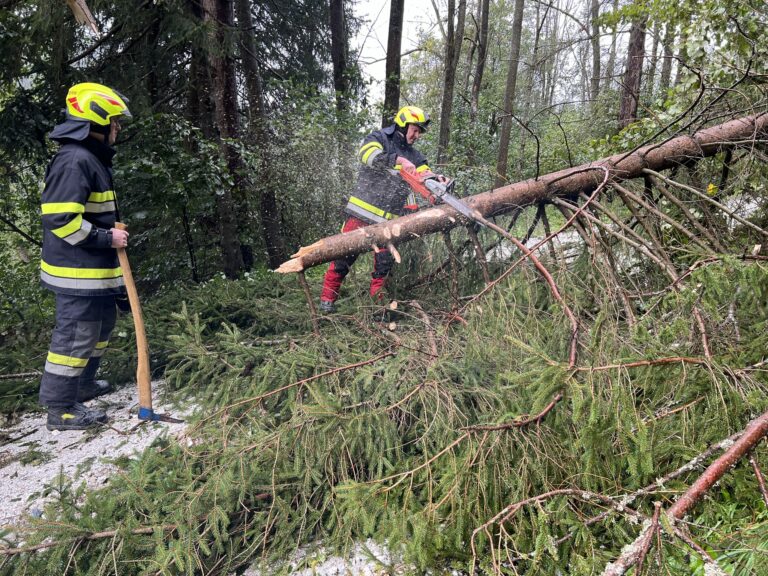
(567, 183)
(606, 419)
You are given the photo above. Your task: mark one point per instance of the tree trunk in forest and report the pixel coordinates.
(392, 72)
(594, 16)
(565, 183)
(666, 66)
(218, 14)
(453, 43)
(530, 86)
(653, 63)
(339, 53)
(610, 68)
(259, 130)
(682, 56)
(199, 99)
(509, 95)
(482, 51)
(630, 94)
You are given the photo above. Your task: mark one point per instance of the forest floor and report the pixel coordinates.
(33, 459)
(34, 462)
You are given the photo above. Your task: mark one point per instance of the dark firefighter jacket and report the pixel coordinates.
(381, 194)
(79, 208)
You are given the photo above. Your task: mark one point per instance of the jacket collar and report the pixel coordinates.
(398, 137)
(103, 153)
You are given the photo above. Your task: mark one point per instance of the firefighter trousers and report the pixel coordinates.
(338, 269)
(83, 327)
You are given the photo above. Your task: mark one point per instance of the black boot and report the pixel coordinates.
(92, 389)
(76, 417)
(97, 413)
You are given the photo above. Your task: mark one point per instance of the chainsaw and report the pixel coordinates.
(432, 189)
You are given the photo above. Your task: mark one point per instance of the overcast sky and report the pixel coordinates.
(419, 15)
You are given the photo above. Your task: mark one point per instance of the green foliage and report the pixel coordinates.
(290, 448)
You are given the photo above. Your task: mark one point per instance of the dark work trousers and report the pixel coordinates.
(338, 269)
(81, 335)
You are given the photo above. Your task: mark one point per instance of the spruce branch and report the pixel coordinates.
(87, 537)
(523, 421)
(641, 363)
(760, 479)
(298, 383)
(583, 495)
(706, 198)
(754, 432)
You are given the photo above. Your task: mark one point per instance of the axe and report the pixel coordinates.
(142, 369)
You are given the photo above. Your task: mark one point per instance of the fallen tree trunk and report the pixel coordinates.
(565, 183)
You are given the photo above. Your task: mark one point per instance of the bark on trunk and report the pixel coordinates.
(339, 53)
(259, 130)
(509, 95)
(482, 51)
(666, 66)
(594, 16)
(565, 183)
(451, 61)
(220, 16)
(630, 94)
(392, 71)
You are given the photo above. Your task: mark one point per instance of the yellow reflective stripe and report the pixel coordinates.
(88, 273)
(72, 226)
(102, 345)
(70, 361)
(370, 208)
(105, 196)
(422, 168)
(371, 145)
(367, 149)
(367, 154)
(63, 208)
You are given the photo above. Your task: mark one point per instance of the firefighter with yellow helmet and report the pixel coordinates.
(79, 258)
(380, 194)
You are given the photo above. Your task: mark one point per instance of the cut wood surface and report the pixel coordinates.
(564, 183)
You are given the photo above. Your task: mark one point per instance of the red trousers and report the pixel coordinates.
(338, 270)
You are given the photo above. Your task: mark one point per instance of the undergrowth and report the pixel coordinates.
(413, 436)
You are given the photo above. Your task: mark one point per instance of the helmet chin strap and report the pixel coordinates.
(99, 129)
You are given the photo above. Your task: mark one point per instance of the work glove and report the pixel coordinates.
(122, 303)
(405, 164)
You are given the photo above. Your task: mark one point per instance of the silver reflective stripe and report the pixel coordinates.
(59, 370)
(98, 352)
(79, 235)
(363, 213)
(373, 155)
(82, 283)
(98, 207)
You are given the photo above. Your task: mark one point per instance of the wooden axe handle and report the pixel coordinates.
(142, 369)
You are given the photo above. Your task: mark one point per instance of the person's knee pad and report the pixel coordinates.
(382, 264)
(341, 267)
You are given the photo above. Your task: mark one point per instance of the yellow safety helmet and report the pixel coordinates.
(96, 103)
(412, 115)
